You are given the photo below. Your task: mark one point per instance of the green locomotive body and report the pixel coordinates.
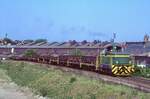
(116, 64)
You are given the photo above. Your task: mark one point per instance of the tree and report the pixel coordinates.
(84, 42)
(96, 41)
(7, 41)
(73, 42)
(40, 40)
(28, 41)
(30, 53)
(76, 52)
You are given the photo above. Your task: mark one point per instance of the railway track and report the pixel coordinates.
(134, 82)
(138, 83)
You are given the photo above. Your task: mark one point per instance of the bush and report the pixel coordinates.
(72, 79)
(43, 91)
(21, 66)
(92, 96)
(144, 72)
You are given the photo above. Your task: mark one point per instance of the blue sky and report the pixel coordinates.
(63, 20)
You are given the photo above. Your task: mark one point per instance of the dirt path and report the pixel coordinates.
(9, 90)
(12, 91)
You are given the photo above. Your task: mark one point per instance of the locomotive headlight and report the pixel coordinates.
(117, 62)
(130, 62)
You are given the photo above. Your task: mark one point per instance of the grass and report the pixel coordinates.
(3, 75)
(56, 84)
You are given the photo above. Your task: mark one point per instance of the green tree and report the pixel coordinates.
(30, 53)
(83, 42)
(28, 41)
(7, 40)
(40, 40)
(76, 52)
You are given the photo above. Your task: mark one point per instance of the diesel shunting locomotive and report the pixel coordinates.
(117, 64)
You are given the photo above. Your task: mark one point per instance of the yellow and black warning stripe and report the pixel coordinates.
(122, 70)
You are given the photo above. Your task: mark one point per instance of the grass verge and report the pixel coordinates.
(56, 84)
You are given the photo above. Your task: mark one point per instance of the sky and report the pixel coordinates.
(63, 20)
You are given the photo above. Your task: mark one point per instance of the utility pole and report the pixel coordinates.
(113, 42)
(6, 35)
(114, 36)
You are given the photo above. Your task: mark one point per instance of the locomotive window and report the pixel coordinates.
(121, 60)
(106, 60)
